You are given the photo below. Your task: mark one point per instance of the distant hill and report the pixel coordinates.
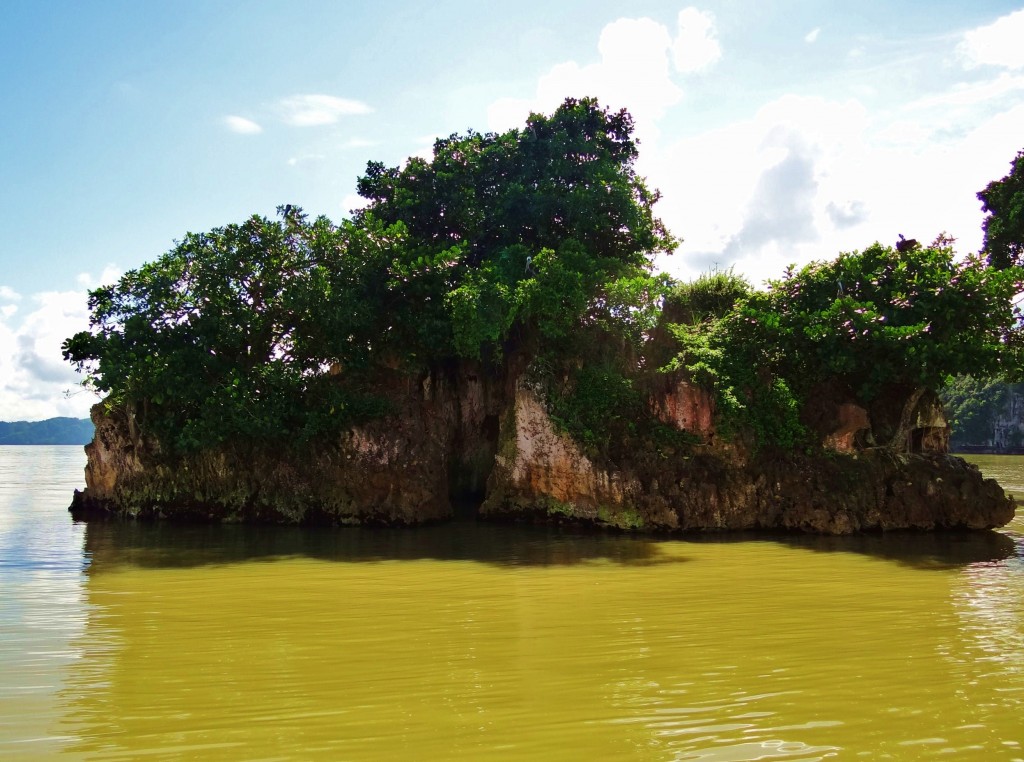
(53, 431)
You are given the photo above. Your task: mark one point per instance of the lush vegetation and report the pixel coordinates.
(1003, 200)
(279, 329)
(975, 401)
(868, 320)
(537, 242)
(974, 405)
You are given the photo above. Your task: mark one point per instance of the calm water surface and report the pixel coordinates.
(123, 642)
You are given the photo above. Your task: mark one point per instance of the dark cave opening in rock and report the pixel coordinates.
(470, 467)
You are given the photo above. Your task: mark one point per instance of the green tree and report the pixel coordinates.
(274, 329)
(1003, 201)
(217, 338)
(525, 229)
(870, 320)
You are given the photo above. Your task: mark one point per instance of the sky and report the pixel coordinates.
(778, 132)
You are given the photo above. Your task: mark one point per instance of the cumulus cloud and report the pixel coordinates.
(315, 109)
(781, 210)
(109, 274)
(8, 294)
(34, 379)
(637, 58)
(352, 202)
(695, 46)
(241, 125)
(846, 214)
(1000, 43)
(806, 178)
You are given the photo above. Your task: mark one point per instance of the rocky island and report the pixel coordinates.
(488, 337)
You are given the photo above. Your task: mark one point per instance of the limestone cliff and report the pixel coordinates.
(393, 471)
(541, 474)
(463, 436)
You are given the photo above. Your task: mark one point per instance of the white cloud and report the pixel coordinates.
(311, 110)
(508, 113)
(806, 178)
(305, 158)
(241, 125)
(972, 93)
(1000, 43)
(695, 47)
(110, 274)
(812, 36)
(33, 376)
(634, 72)
(9, 294)
(353, 201)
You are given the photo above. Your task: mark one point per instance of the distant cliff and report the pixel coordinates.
(52, 431)
(985, 415)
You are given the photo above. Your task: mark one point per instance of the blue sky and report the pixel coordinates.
(778, 132)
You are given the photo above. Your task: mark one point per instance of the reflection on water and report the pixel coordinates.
(42, 597)
(113, 544)
(469, 642)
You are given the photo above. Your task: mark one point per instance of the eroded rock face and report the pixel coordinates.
(539, 466)
(541, 474)
(462, 433)
(685, 406)
(392, 471)
(852, 422)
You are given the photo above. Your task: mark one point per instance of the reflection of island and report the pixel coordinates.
(468, 641)
(115, 545)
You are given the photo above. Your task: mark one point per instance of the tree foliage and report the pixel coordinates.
(527, 228)
(1003, 201)
(272, 329)
(868, 320)
(537, 240)
(219, 337)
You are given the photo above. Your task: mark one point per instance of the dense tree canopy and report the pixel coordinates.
(868, 320)
(269, 328)
(219, 337)
(1003, 200)
(525, 228)
(538, 240)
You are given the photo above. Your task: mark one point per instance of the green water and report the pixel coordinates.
(470, 642)
(1008, 470)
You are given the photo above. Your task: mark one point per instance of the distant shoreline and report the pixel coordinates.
(52, 431)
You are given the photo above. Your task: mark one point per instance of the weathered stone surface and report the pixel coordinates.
(686, 406)
(852, 421)
(393, 471)
(462, 434)
(539, 466)
(541, 475)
